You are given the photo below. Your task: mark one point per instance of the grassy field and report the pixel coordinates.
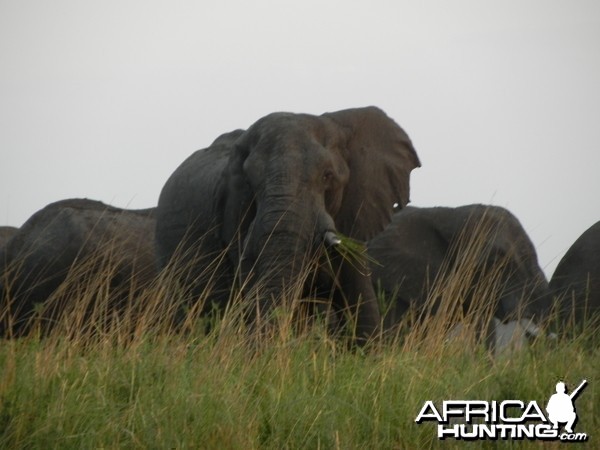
(131, 384)
(291, 391)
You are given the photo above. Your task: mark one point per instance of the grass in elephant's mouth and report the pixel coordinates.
(353, 252)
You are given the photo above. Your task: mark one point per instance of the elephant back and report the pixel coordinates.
(576, 279)
(473, 247)
(6, 233)
(78, 239)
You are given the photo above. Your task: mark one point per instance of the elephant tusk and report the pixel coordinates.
(530, 328)
(533, 330)
(331, 238)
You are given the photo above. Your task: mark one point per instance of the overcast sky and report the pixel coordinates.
(104, 99)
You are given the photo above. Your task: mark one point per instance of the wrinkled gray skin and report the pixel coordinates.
(576, 279)
(411, 252)
(6, 233)
(271, 195)
(36, 260)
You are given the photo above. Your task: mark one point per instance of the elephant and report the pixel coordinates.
(76, 238)
(576, 279)
(254, 206)
(6, 233)
(483, 247)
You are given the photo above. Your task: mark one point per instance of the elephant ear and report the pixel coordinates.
(380, 157)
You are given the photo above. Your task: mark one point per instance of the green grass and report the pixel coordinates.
(128, 383)
(307, 391)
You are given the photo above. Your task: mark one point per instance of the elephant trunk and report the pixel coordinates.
(285, 251)
(289, 228)
(279, 246)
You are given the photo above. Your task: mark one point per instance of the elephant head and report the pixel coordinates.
(289, 183)
(475, 253)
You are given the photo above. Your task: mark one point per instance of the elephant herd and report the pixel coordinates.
(296, 206)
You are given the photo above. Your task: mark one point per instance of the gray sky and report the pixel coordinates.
(104, 99)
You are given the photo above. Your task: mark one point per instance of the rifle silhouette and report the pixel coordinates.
(573, 394)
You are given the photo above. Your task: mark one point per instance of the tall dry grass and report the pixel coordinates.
(106, 377)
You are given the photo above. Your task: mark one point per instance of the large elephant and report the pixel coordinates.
(576, 279)
(481, 253)
(257, 204)
(79, 238)
(6, 233)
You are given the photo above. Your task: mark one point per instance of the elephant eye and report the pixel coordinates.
(327, 176)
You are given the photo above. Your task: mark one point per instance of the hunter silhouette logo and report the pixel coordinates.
(508, 419)
(560, 406)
